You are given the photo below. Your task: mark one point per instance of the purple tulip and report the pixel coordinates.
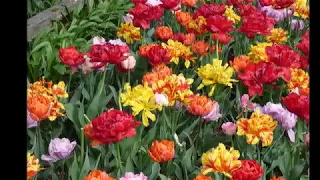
(59, 149)
(297, 25)
(213, 115)
(286, 119)
(30, 121)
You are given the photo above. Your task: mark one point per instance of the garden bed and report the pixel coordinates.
(171, 89)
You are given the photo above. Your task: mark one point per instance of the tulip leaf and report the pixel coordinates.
(155, 171)
(150, 135)
(178, 171)
(85, 167)
(188, 130)
(186, 160)
(74, 169)
(129, 165)
(296, 171)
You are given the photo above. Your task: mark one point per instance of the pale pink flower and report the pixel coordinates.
(127, 18)
(132, 176)
(117, 42)
(87, 65)
(229, 128)
(214, 114)
(153, 2)
(307, 139)
(31, 122)
(129, 63)
(162, 99)
(244, 102)
(98, 40)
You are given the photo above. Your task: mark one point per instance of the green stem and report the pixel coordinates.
(258, 149)
(87, 118)
(231, 138)
(82, 146)
(38, 140)
(129, 77)
(103, 79)
(247, 107)
(70, 78)
(217, 48)
(119, 100)
(119, 158)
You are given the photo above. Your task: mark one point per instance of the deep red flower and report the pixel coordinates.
(71, 57)
(158, 55)
(211, 9)
(304, 45)
(117, 53)
(298, 104)
(282, 55)
(98, 53)
(170, 4)
(143, 14)
(257, 23)
(250, 170)
(277, 4)
(179, 37)
(255, 75)
(219, 24)
(266, 2)
(247, 9)
(223, 38)
(112, 126)
(236, 3)
(139, 1)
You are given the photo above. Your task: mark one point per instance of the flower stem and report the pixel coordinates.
(119, 158)
(217, 48)
(82, 146)
(87, 118)
(70, 78)
(103, 79)
(129, 77)
(119, 100)
(38, 132)
(258, 151)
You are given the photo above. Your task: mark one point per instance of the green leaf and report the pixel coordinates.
(178, 171)
(285, 165)
(129, 165)
(72, 113)
(86, 166)
(296, 171)
(155, 171)
(150, 32)
(114, 94)
(77, 94)
(86, 94)
(74, 169)
(273, 165)
(188, 130)
(163, 177)
(186, 160)
(150, 135)
(82, 122)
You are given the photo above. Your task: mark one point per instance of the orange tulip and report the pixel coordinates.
(202, 177)
(183, 18)
(189, 39)
(39, 106)
(200, 105)
(144, 49)
(276, 178)
(240, 63)
(98, 175)
(164, 33)
(200, 47)
(161, 151)
(190, 3)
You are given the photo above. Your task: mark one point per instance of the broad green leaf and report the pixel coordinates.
(72, 113)
(296, 171)
(129, 165)
(186, 160)
(150, 135)
(86, 94)
(188, 130)
(155, 171)
(178, 171)
(86, 166)
(74, 169)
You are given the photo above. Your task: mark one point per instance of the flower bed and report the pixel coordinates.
(189, 90)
